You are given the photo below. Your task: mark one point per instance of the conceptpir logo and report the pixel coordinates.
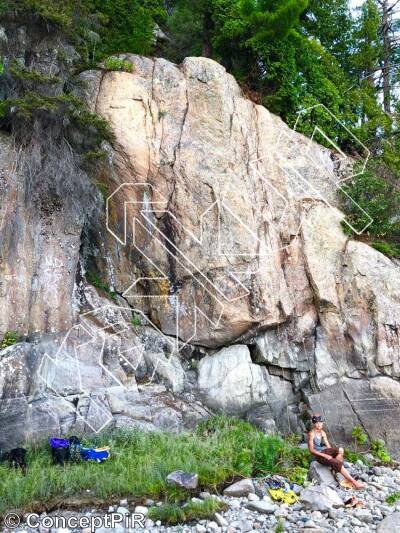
(87, 342)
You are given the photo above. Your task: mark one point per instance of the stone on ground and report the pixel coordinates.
(183, 479)
(241, 488)
(391, 524)
(320, 498)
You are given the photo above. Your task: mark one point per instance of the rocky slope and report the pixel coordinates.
(321, 508)
(224, 278)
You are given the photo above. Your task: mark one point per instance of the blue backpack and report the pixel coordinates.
(98, 455)
(58, 443)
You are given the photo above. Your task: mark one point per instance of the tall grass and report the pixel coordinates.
(219, 451)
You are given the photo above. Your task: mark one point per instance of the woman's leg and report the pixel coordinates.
(340, 455)
(345, 474)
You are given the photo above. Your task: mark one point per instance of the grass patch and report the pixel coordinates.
(386, 248)
(136, 320)
(173, 513)
(353, 457)
(117, 64)
(220, 450)
(393, 498)
(97, 282)
(10, 338)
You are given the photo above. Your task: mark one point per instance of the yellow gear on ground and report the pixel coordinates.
(282, 496)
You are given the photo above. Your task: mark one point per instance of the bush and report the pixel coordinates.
(136, 321)
(377, 196)
(393, 498)
(379, 451)
(175, 514)
(97, 282)
(298, 474)
(359, 436)
(386, 248)
(10, 338)
(115, 63)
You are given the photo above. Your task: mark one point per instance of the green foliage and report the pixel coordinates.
(379, 199)
(168, 513)
(353, 457)
(34, 105)
(62, 13)
(97, 282)
(393, 498)
(10, 338)
(136, 320)
(387, 249)
(359, 436)
(379, 451)
(23, 74)
(298, 474)
(140, 462)
(172, 514)
(128, 25)
(115, 63)
(280, 526)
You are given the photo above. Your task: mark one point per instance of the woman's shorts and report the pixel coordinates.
(334, 463)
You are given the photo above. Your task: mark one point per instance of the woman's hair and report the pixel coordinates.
(316, 417)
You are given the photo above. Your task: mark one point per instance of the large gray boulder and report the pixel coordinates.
(321, 474)
(390, 524)
(229, 380)
(320, 498)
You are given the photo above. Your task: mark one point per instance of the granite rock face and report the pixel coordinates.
(224, 278)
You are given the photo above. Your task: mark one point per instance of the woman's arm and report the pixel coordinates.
(326, 440)
(313, 451)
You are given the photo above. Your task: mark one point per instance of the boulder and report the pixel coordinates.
(390, 524)
(320, 498)
(241, 488)
(321, 474)
(229, 381)
(182, 479)
(262, 507)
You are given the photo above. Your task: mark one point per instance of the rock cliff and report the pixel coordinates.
(211, 273)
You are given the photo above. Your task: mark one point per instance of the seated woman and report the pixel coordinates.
(319, 447)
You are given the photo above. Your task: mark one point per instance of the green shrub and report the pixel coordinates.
(136, 320)
(379, 451)
(97, 282)
(359, 436)
(115, 63)
(60, 107)
(298, 474)
(377, 197)
(280, 526)
(20, 72)
(10, 338)
(353, 457)
(168, 513)
(386, 248)
(172, 514)
(393, 498)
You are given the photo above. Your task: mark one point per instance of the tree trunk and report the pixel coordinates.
(387, 97)
(207, 49)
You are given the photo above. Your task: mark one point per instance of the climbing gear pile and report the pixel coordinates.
(279, 488)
